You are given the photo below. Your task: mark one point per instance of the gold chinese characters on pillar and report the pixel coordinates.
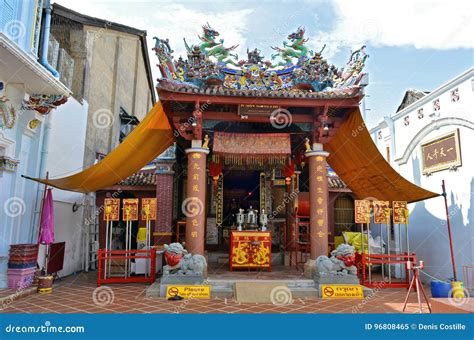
(111, 209)
(381, 212)
(219, 200)
(400, 212)
(362, 211)
(148, 209)
(130, 209)
(321, 188)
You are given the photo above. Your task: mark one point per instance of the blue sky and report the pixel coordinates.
(412, 44)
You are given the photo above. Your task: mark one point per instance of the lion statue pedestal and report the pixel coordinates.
(182, 267)
(337, 269)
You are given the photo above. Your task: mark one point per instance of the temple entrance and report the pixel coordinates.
(241, 191)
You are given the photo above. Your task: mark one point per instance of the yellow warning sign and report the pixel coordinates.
(189, 292)
(342, 292)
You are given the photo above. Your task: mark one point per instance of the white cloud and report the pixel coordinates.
(434, 24)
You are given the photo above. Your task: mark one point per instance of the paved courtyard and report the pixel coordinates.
(79, 294)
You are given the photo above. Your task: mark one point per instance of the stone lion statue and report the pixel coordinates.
(341, 261)
(180, 262)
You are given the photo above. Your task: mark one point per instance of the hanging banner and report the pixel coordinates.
(362, 211)
(220, 201)
(130, 209)
(148, 207)
(263, 198)
(381, 212)
(400, 212)
(112, 209)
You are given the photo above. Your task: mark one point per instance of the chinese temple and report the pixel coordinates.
(257, 143)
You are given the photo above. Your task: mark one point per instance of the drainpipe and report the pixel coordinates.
(45, 40)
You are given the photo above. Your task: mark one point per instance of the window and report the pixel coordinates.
(344, 214)
(127, 124)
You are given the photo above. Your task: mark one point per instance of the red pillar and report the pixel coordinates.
(318, 198)
(194, 206)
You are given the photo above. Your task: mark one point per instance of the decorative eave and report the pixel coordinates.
(352, 92)
(8, 164)
(17, 66)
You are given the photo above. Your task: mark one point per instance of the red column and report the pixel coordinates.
(318, 198)
(194, 206)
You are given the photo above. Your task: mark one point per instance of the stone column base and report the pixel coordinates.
(309, 269)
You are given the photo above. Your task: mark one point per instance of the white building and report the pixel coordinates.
(427, 141)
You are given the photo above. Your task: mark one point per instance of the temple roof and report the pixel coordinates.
(293, 71)
(139, 179)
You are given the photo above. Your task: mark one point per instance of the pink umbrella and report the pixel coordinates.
(46, 234)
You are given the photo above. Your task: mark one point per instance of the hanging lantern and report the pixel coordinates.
(289, 169)
(215, 169)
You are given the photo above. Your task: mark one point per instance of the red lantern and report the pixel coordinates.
(289, 170)
(215, 169)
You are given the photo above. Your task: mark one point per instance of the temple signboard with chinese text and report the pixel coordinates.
(381, 212)
(111, 209)
(400, 212)
(362, 211)
(130, 209)
(441, 153)
(148, 209)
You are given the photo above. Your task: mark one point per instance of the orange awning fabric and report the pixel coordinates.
(147, 141)
(357, 161)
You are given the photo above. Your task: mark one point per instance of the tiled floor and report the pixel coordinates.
(79, 294)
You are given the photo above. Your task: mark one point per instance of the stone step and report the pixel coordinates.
(225, 288)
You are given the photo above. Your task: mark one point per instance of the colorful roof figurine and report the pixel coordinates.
(293, 71)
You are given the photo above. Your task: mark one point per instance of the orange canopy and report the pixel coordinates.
(147, 141)
(356, 159)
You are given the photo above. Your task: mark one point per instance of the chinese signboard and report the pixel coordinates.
(441, 153)
(400, 212)
(148, 208)
(220, 201)
(111, 209)
(130, 209)
(381, 212)
(362, 211)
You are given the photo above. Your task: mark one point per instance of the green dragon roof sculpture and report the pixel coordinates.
(293, 67)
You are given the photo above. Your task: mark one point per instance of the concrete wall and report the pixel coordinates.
(428, 235)
(65, 143)
(116, 78)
